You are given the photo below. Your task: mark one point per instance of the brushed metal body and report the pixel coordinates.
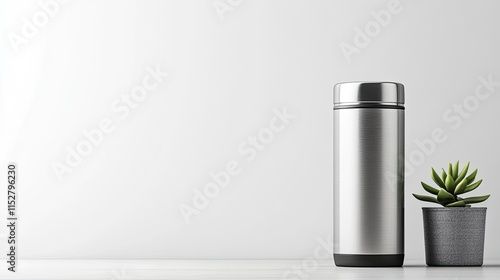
(369, 181)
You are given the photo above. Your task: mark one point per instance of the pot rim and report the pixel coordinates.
(453, 208)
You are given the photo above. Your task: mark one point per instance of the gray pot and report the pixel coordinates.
(454, 236)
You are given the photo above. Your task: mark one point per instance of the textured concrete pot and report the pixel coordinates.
(454, 236)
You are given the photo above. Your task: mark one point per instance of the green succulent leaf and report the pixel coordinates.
(472, 176)
(475, 199)
(456, 204)
(450, 184)
(429, 189)
(461, 187)
(425, 198)
(455, 170)
(445, 197)
(443, 175)
(462, 174)
(436, 179)
(472, 187)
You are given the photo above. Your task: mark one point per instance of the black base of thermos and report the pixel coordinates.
(369, 260)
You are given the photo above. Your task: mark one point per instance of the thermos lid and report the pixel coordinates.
(368, 94)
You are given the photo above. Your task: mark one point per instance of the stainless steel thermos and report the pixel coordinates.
(369, 174)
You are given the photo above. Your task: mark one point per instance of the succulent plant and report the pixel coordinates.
(452, 184)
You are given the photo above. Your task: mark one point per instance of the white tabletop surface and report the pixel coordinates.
(235, 269)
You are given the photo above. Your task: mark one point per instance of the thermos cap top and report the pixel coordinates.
(368, 93)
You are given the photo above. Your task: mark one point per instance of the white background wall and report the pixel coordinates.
(228, 70)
